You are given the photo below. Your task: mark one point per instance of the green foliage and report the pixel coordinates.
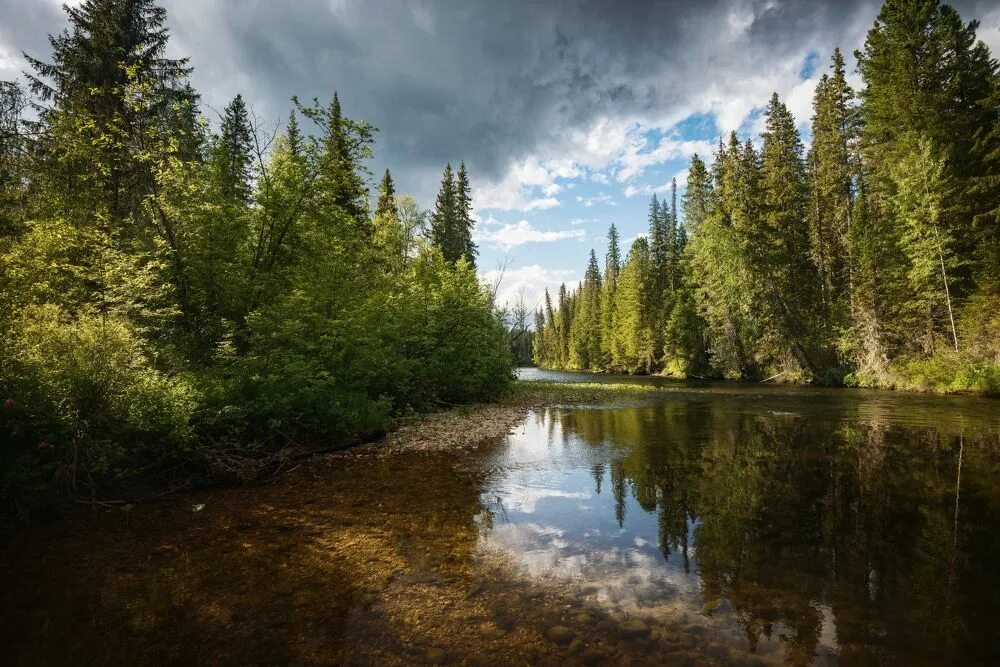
(171, 296)
(84, 400)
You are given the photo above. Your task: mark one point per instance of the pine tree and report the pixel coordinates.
(926, 77)
(719, 272)
(389, 234)
(538, 342)
(831, 181)
(585, 334)
(443, 221)
(564, 322)
(697, 197)
(612, 267)
(13, 172)
(463, 217)
(922, 187)
(232, 153)
(788, 293)
(108, 77)
(346, 145)
(632, 321)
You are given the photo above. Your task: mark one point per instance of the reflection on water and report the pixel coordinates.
(802, 525)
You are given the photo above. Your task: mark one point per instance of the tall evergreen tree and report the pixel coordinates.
(789, 286)
(612, 267)
(390, 236)
(463, 217)
(585, 335)
(346, 145)
(927, 78)
(13, 145)
(109, 67)
(232, 153)
(632, 318)
(831, 175)
(444, 218)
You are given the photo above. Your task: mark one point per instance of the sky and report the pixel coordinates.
(569, 115)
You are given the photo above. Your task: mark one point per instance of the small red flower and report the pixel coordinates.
(9, 403)
(43, 445)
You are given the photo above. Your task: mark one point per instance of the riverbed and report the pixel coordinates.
(703, 523)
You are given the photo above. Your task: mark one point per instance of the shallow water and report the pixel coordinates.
(709, 524)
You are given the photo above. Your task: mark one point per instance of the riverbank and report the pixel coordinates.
(923, 376)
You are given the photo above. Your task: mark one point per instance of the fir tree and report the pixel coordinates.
(444, 218)
(345, 147)
(789, 285)
(464, 223)
(233, 152)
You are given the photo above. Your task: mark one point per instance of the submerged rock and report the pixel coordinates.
(633, 629)
(559, 634)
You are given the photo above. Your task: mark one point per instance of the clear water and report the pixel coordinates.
(803, 524)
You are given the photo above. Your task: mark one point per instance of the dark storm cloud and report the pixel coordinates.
(488, 82)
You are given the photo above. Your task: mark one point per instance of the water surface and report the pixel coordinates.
(799, 524)
(704, 523)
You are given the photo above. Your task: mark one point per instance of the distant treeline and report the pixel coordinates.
(172, 295)
(871, 259)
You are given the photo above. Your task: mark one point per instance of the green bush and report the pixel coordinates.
(82, 402)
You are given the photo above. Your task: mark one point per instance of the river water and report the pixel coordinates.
(708, 523)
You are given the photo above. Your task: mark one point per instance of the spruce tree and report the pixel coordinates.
(789, 286)
(463, 217)
(389, 233)
(632, 320)
(232, 153)
(927, 78)
(585, 335)
(831, 180)
(346, 145)
(612, 267)
(443, 220)
(109, 77)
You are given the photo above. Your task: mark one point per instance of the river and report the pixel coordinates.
(708, 523)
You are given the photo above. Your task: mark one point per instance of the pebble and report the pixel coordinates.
(490, 631)
(436, 656)
(633, 628)
(559, 634)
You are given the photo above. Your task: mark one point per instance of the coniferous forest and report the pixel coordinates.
(172, 295)
(872, 258)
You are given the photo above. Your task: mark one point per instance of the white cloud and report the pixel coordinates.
(636, 159)
(633, 190)
(529, 185)
(531, 281)
(512, 235)
(599, 198)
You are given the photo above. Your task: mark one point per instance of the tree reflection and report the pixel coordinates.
(853, 516)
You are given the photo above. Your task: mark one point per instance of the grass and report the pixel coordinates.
(543, 391)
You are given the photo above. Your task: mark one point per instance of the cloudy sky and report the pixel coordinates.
(569, 115)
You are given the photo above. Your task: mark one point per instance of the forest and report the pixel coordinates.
(870, 259)
(180, 302)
